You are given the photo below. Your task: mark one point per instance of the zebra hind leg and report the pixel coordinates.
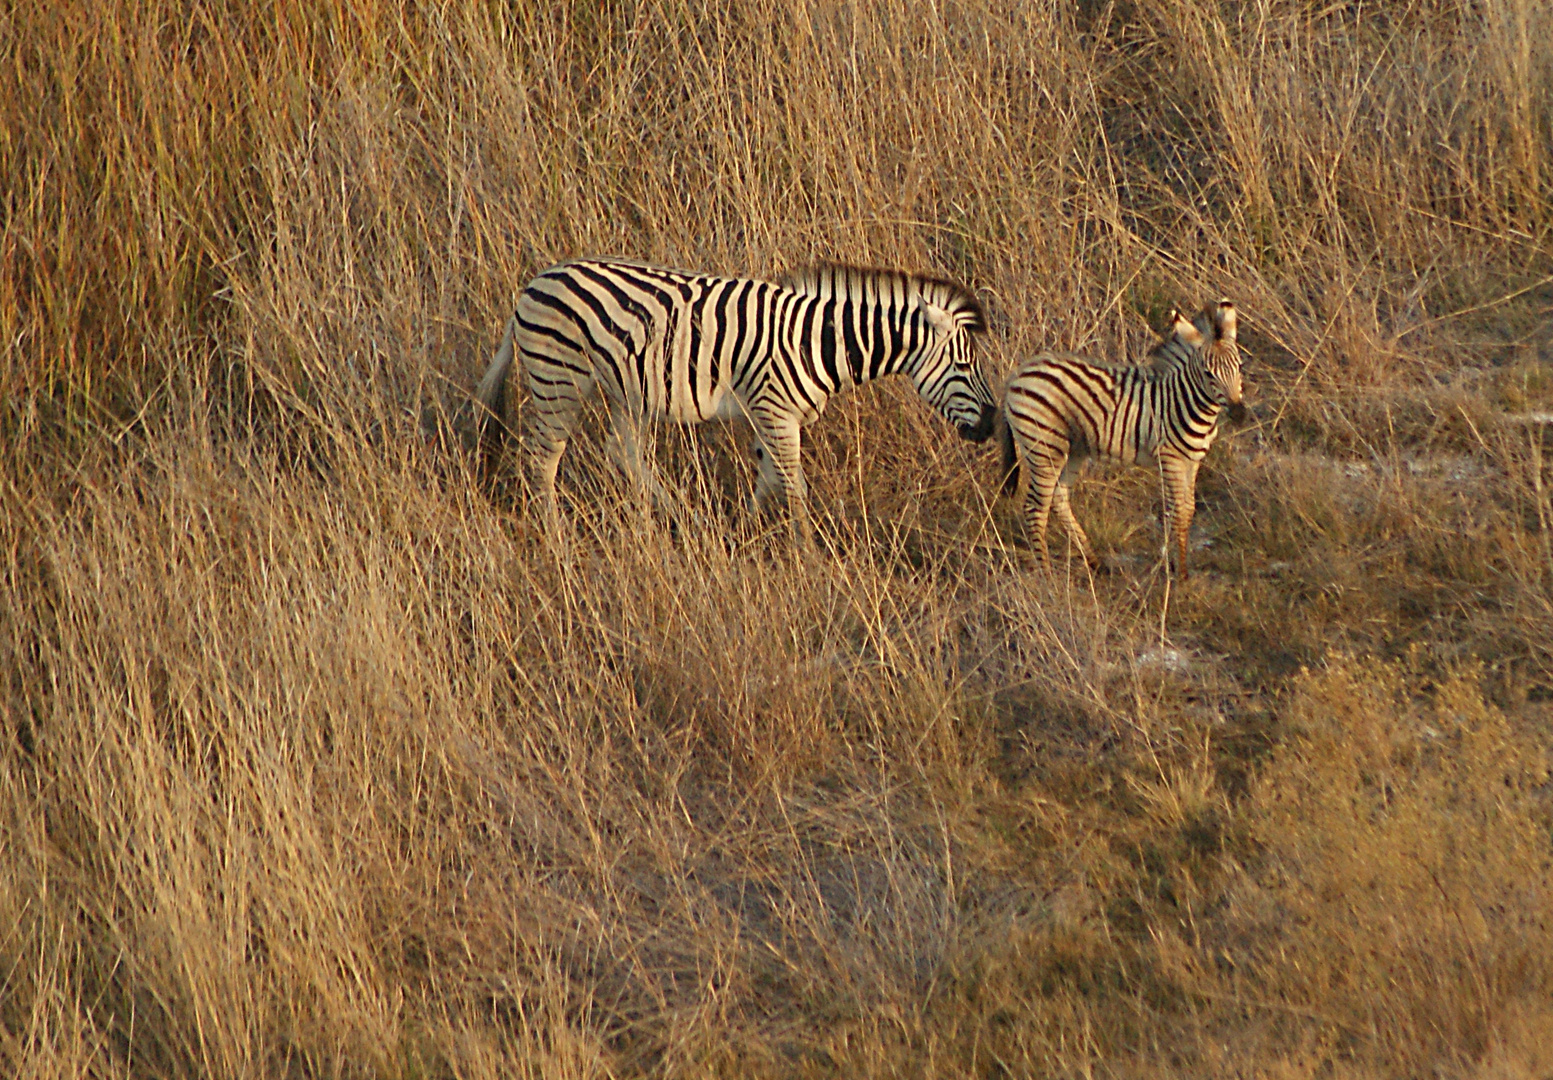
(1044, 482)
(553, 409)
(625, 450)
(544, 461)
(1061, 499)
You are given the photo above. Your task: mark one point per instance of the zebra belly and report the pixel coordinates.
(720, 403)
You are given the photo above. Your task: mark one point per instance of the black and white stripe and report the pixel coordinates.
(691, 348)
(1060, 409)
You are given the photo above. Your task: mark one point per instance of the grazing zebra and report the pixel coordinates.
(689, 347)
(1061, 409)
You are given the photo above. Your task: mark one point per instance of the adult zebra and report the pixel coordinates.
(1061, 409)
(690, 347)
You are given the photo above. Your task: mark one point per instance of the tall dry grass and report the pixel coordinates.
(318, 761)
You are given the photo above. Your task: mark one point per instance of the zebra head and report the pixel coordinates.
(946, 373)
(1212, 336)
(1223, 355)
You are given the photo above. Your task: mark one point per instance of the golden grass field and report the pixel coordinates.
(317, 760)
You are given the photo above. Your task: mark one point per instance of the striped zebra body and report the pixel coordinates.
(689, 347)
(1061, 409)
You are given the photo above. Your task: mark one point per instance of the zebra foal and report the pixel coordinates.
(688, 347)
(1060, 409)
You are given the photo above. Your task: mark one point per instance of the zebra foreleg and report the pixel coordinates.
(781, 472)
(764, 479)
(1179, 476)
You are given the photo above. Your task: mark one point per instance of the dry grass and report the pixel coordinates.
(318, 761)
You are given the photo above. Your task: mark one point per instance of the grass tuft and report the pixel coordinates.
(317, 759)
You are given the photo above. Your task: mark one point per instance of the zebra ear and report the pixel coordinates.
(1181, 327)
(940, 319)
(1224, 321)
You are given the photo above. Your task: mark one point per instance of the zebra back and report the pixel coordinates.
(959, 307)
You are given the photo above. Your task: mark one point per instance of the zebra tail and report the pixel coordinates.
(1010, 472)
(491, 397)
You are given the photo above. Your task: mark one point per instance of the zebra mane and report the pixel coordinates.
(858, 283)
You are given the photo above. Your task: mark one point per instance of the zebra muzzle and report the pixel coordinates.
(982, 429)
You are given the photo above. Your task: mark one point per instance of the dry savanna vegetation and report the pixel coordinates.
(318, 760)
